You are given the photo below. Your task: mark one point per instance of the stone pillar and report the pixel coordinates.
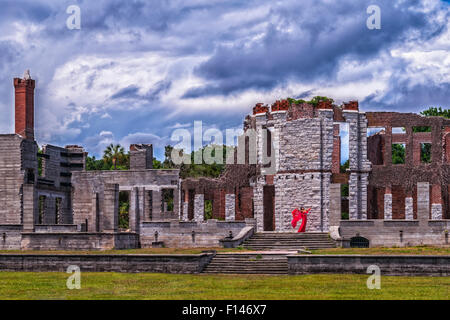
(143, 205)
(359, 165)
(110, 219)
(29, 204)
(363, 183)
(409, 213)
(230, 207)
(423, 201)
(176, 202)
(335, 204)
(134, 212)
(156, 203)
(388, 204)
(353, 196)
(199, 207)
(436, 202)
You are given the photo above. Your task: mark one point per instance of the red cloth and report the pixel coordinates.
(298, 215)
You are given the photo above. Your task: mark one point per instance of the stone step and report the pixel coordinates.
(251, 263)
(289, 241)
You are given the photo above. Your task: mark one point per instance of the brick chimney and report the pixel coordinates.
(24, 106)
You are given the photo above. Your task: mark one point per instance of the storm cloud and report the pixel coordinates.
(137, 69)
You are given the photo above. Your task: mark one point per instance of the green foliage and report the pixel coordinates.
(314, 101)
(425, 152)
(208, 209)
(398, 153)
(115, 154)
(345, 166)
(39, 163)
(124, 209)
(157, 164)
(205, 170)
(167, 196)
(344, 216)
(436, 112)
(344, 190)
(432, 112)
(421, 129)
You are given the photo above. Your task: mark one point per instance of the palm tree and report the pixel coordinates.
(114, 153)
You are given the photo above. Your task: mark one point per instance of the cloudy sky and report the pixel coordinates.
(136, 70)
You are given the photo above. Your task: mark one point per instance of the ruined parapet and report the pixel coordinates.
(76, 157)
(141, 156)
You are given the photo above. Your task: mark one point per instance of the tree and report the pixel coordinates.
(432, 112)
(436, 112)
(398, 153)
(116, 155)
(345, 166)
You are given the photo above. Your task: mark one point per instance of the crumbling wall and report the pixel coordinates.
(12, 177)
(385, 175)
(89, 192)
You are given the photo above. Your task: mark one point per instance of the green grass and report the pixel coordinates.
(127, 251)
(52, 285)
(420, 250)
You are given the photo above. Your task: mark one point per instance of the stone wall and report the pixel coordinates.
(10, 237)
(180, 263)
(78, 241)
(12, 176)
(89, 188)
(412, 265)
(179, 234)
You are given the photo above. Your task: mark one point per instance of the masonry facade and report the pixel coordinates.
(288, 157)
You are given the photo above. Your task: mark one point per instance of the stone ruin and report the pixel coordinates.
(292, 158)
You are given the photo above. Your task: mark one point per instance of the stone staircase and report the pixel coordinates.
(289, 241)
(248, 263)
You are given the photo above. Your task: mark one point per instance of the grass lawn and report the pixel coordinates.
(52, 285)
(420, 250)
(127, 251)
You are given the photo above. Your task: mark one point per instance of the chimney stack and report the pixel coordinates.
(24, 106)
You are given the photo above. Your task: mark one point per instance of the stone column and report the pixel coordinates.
(353, 196)
(176, 202)
(335, 209)
(199, 207)
(436, 202)
(423, 201)
(388, 204)
(110, 219)
(335, 204)
(156, 203)
(134, 212)
(144, 210)
(230, 207)
(29, 204)
(185, 211)
(409, 213)
(364, 182)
